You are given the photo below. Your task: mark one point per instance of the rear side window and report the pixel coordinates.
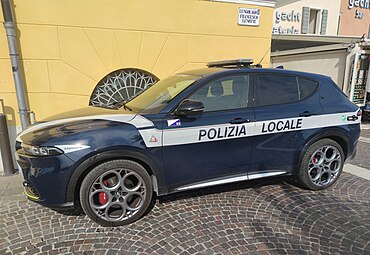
(306, 87)
(276, 89)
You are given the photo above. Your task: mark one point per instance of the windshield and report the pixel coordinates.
(160, 94)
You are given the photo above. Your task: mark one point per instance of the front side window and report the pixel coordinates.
(224, 94)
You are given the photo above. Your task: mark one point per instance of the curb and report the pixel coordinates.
(358, 171)
(364, 139)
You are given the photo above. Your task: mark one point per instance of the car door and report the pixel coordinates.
(287, 110)
(213, 147)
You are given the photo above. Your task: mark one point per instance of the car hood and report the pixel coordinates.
(86, 112)
(81, 117)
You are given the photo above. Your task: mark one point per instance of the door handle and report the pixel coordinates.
(239, 121)
(306, 114)
(352, 118)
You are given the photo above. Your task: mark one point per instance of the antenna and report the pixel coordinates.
(259, 63)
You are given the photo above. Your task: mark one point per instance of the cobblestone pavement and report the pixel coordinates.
(250, 217)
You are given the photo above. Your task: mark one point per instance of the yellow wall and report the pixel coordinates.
(67, 46)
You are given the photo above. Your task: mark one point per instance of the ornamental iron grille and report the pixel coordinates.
(119, 85)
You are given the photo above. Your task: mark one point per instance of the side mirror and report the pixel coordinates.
(189, 107)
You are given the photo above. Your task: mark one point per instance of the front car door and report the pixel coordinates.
(213, 147)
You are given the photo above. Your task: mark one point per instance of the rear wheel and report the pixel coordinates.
(116, 193)
(321, 165)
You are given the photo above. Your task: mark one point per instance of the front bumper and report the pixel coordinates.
(46, 178)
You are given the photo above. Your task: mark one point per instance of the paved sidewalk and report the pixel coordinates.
(365, 129)
(363, 149)
(365, 133)
(250, 217)
(11, 188)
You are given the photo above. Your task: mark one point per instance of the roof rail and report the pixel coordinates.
(244, 62)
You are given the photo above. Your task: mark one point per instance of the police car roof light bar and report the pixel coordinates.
(244, 62)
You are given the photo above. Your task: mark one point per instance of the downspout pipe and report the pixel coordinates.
(11, 35)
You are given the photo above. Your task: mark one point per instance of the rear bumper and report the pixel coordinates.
(353, 155)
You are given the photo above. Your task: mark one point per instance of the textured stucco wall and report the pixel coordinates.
(68, 46)
(349, 24)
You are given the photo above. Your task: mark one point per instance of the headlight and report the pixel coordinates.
(41, 151)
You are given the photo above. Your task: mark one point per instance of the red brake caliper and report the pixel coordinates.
(103, 197)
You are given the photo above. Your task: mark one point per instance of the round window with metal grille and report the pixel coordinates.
(119, 85)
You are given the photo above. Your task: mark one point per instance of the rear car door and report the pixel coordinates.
(287, 110)
(212, 147)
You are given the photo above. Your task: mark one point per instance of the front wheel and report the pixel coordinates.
(321, 165)
(116, 193)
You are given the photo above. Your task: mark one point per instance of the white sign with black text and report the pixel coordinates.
(249, 17)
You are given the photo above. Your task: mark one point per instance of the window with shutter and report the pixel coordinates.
(305, 19)
(324, 22)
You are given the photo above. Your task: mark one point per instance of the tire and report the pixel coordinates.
(116, 193)
(321, 165)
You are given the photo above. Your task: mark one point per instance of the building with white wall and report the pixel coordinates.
(306, 17)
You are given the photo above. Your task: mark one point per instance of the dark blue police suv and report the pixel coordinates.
(230, 122)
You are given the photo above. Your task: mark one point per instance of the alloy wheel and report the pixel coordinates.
(324, 165)
(117, 194)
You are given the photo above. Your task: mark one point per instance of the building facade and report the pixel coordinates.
(316, 17)
(306, 17)
(354, 19)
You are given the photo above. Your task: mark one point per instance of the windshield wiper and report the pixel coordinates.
(118, 104)
(122, 103)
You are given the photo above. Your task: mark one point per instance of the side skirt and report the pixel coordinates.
(230, 180)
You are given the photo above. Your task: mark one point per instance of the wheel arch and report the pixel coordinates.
(342, 142)
(334, 134)
(86, 166)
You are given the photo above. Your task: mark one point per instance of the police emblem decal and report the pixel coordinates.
(174, 123)
(153, 139)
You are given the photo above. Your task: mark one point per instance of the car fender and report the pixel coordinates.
(326, 133)
(100, 157)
